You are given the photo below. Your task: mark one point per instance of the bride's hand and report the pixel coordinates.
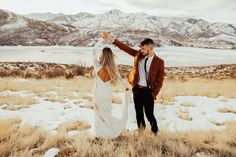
(106, 36)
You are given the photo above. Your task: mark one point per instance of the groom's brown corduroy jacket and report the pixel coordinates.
(156, 72)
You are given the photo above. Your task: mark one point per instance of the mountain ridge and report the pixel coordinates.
(83, 29)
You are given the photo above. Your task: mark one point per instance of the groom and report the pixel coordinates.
(146, 77)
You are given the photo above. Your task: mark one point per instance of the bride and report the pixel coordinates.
(107, 75)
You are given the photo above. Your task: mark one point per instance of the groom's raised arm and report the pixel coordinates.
(125, 47)
(120, 45)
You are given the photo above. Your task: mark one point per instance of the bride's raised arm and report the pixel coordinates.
(95, 51)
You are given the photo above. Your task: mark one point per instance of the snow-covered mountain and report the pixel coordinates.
(19, 30)
(133, 27)
(42, 16)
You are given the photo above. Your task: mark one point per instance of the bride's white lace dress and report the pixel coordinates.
(106, 125)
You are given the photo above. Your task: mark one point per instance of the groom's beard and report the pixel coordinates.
(144, 53)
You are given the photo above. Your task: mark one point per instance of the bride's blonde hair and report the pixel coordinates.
(107, 61)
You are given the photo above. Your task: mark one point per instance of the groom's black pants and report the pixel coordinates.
(143, 99)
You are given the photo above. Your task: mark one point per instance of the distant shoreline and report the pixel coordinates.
(173, 56)
(40, 70)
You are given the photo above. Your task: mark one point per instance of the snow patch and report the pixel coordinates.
(19, 23)
(224, 37)
(51, 152)
(203, 111)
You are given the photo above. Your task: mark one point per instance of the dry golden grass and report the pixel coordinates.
(15, 102)
(217, 123)
(72, 96)
(226, 110)
(88, 97)
(55, 99)
(185, 116)
(19, 140)
(74, 88)
(80, 87)
(187, 104)
(67, 106)
(88, 105)
(43, 70)
(196, 87)
(24, 140)
(16, 140)
(61, 85)
(77, 125)
(224, 99)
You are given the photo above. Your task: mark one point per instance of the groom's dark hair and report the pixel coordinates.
(147, 41)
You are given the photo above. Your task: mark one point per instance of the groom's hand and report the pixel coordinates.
(154, 98)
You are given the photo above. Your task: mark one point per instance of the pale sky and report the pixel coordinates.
(211, 10)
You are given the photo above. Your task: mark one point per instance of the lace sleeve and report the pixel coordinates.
(95, 55)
